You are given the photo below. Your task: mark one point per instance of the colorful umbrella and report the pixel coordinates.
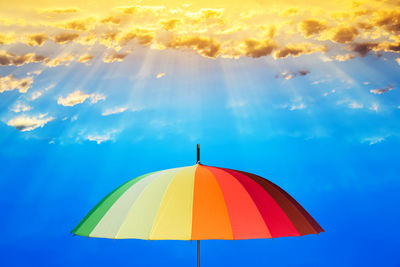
(195, 203)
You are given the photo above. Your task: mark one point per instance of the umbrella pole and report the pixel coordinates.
(198, 153)
(198, 241)
(198, 253)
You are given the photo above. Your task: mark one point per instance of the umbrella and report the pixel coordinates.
(196, 203)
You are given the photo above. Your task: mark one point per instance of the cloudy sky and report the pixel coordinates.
(305, 93)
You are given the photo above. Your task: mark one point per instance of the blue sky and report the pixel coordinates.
(339, 162)
(78, 118)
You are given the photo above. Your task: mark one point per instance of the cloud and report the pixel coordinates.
(7, 58)
(79, 25)
(374, 107)
(331, 92)
(380, 91)
(129, 10)
(391, 47)
(297, 107)
(111, 19)
(20, 107)
(108, 38)
(398, 60)
(7, 38)
(230, 31)
(355, 105)
(312, 26)
(51, 86)
(344, 57)
(88, 40)
(289, 12)
(298, 50)
(35, 72)
(78, 97)
(363, 48)
(289, 75)
(143, 36)
(65, 60)
(209, 13)
(112, 111)
(171, 24)
(160, 75)
(25, 123)
(388, 19)
(373, 140)
(36, 95)
(60, 10)
(10, 82)
(100, 138)
(94, 98)
(114, 56)
(117, 40)
(344, 34)
(205, 46)
(36, 39)
(85, 58)
(255, 48)
(74, 98)
(65, 37)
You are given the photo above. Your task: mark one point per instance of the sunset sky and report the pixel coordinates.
(304, 93)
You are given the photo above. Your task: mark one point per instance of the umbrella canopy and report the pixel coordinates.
(196, 203)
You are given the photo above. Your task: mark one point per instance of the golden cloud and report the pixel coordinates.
(364, 48)
(60, 10)
(144, 37)
(215, 30)
(65, 59)
(10, 82)
(114, 56)
(296, 50)
(36, 39)
(128, 10)
(108, 38)
(111, 19)
(85, 58)
(160, 75)
(289, 12)
(312, 26)
(88, 40)
(79, 25)
(205, 46)
(209, 13)
(7, 38)
(344, 57)
(390, 47)
(65, 37)
(171, 24)
(7, 58)
(344, 34)
(388, 19)
(255, 48)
